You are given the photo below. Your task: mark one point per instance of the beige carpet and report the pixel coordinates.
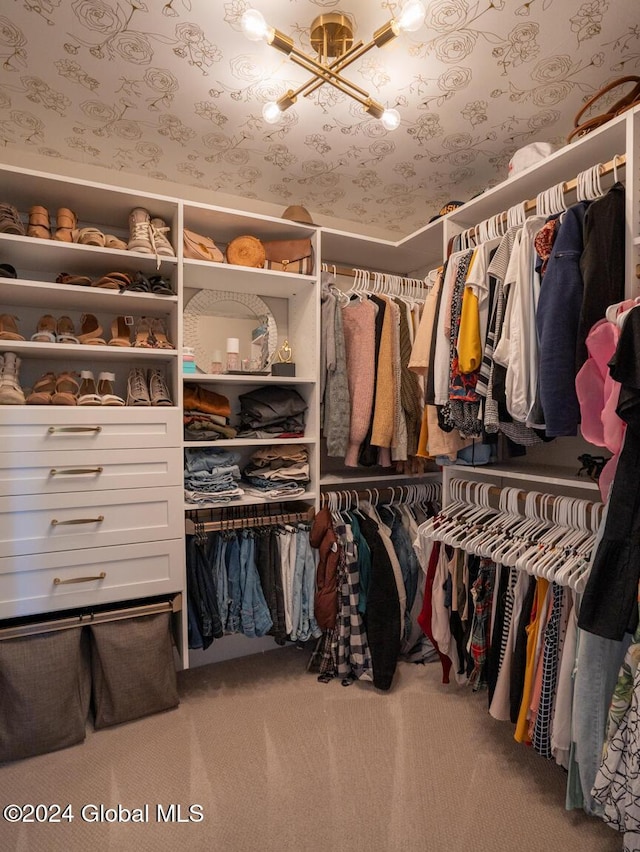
(279, 761)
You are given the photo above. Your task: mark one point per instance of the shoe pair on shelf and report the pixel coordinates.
(10, 391)
(159, 285)
(149, 389)
(64, 389)
(150, 333)
(52, 330)
(147, 235)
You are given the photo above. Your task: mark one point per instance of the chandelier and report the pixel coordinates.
(332, 37)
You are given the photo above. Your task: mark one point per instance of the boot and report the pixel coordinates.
(10, 220)
(140, 231)
(10, 390)
(159, 230)
(66, 222)
(39, 224)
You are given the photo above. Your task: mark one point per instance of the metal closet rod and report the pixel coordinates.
(351, 272)
(496, 491)
(84, 619)
(246, 521)
(386, 494)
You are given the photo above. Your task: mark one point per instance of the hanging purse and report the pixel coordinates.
(246, 251)
(197, 247)
(289, 256)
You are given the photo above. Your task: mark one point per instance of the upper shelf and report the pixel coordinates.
(205, 275)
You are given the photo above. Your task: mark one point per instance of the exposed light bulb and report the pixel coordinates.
(411, 16)
(254, 25)
(390, 119)
(271, 112)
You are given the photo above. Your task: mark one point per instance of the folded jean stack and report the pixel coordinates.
(272, 412)
(277, 473)
(206, 415)
(211, 476)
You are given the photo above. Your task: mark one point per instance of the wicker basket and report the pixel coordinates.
(246, 251)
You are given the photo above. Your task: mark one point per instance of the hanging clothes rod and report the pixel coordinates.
(496, 491)
(351, 272)
(70, 622)
(388, 494)
(221, 524)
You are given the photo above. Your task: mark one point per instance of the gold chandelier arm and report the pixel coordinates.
(343, 61)
(328, 76)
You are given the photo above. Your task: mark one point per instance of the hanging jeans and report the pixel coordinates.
(216, 558)
(204, 618)
(255, 620)
(232, 561)
(304, 583)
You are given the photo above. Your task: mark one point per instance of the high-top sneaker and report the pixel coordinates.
(158, 390)
(10, 220)
(10, 391)
(159, 231)
(140, 231)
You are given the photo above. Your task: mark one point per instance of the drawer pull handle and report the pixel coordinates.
(98, 520)
(58, 582)
(75, 471)
(53, 429)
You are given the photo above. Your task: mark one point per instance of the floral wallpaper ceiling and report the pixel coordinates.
(175, 91)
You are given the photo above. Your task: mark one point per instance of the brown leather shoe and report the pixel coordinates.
(39, 224)
(66, 221)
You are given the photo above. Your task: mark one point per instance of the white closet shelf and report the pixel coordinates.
(206, 275)
(248, 442)
(250, 501)
(547, 474)
(222, 224)
(34, 253)
(66, 351)
(51, 295)
(384, 480)
(248, 379)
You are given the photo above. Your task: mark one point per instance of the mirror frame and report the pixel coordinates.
(203, 303)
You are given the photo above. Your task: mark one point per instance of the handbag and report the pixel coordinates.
(197, 247)
(289, 256)
(631, 99)
(245, 251)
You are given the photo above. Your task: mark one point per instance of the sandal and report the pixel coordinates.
(140, 283)
(39, 223)
(112, 242)
(88, 237)
(66, 223)
(120, 333)
(65, 331)
(105, 390)
(7, 271)
(87, 394)
(144, 338)
(8, 328)
(113, 281)
(76, 280)
(43, 390)
(91, 331)
(66, 390)
(45, 330)
(161, 286)
(159, 335)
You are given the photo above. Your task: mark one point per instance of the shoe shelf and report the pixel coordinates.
(85, 352)
(208, 275)
(31, 253)
(22, 292)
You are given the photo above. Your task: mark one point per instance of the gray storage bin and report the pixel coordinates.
(44, 692)
(132, 669)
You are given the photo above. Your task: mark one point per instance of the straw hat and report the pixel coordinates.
(297, 213)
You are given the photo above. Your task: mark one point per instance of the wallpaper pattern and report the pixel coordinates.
(174, 90)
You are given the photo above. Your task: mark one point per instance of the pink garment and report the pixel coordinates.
(598, 397)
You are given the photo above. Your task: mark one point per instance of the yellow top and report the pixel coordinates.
(469, 338)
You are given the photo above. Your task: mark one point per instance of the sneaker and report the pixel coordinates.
(10, 391)
(137, 390)
(140, 231)
(10, 220)
(159, 230)
(158, 389)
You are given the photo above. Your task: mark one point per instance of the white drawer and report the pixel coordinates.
(28, 584)
(85, 471)
(41, 524)
(28, 428)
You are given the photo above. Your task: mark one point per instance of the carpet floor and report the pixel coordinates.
(277, 761)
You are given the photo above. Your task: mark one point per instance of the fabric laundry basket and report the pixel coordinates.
(132, 669)
(44, 692)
